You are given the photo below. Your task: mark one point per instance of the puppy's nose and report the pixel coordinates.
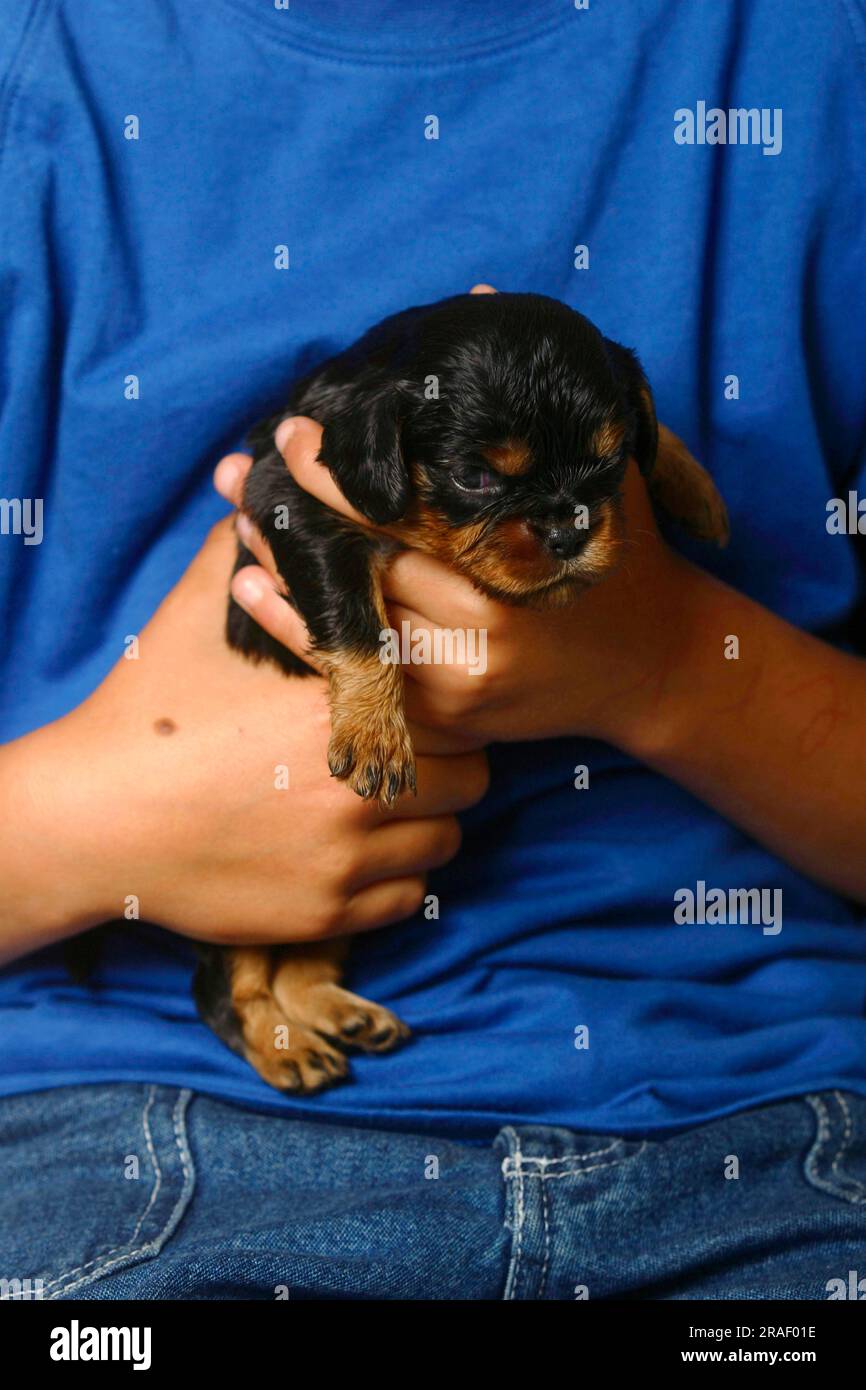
(562, 539)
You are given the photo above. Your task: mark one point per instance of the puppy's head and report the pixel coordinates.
(494, 431)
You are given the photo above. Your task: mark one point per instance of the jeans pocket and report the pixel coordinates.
(94, 1179)
(836, 1162)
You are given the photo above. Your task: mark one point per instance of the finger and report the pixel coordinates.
(427, 586)
(407, 847)
(298, 440)
(446, 785)
(252, 538)
(230, 475)
(482, 289)
(253, 590)
(382, 904)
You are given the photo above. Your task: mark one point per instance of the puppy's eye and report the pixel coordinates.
(477, 479)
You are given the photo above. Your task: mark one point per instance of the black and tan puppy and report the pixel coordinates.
(492, 431)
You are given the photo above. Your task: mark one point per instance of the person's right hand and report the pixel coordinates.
(165, 787)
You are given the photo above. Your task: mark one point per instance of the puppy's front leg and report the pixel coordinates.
(370, 746)
(333, 571)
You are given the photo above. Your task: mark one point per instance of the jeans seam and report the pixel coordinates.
(516, 1197)
(157, 1176)
(823, 1137)
(566, 1172)
(546, 1218)
(516, 1168)
(570, 1158)
(129, 1251)
(148, 1139)
(847, 1136)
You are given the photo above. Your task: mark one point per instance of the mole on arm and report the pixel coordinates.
(165, 726)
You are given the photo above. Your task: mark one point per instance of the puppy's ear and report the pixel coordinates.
(645, 437)
(362, 448)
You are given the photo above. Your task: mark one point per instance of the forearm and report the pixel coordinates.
(45, 861)
(775, 740)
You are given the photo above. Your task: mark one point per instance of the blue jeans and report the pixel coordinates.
(134, 1191)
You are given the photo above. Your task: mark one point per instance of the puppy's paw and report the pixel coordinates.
(338, 1015)
(375, 759)
(289, 1056)
(347, 1019)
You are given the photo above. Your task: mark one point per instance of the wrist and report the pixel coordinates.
(652, 705)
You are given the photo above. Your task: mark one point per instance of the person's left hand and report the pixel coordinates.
(595, 667)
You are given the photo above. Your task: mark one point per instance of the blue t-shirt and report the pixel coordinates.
(154, 159)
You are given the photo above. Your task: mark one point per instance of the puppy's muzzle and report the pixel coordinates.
(561, 539)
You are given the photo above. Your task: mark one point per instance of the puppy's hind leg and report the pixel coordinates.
(284, 1010)
(333, 570)
(684, 490)
(233, 989)
(307, 988)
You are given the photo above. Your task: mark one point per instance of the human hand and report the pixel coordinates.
(168, 786)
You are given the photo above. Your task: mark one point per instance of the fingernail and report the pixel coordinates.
(284, 433)
(225, 478)
(244, 527)
(248, 591)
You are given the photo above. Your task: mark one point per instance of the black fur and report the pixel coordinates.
(211, 990)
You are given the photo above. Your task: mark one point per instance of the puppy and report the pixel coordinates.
(492, 431)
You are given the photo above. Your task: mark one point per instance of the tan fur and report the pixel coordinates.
(307, 988)
(508, 559)
(686, 492)
(513, 458)
(370, 746)
(284, 1054)
(423, 529)
(601, 553)
(294, 1016)
(608, 439)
